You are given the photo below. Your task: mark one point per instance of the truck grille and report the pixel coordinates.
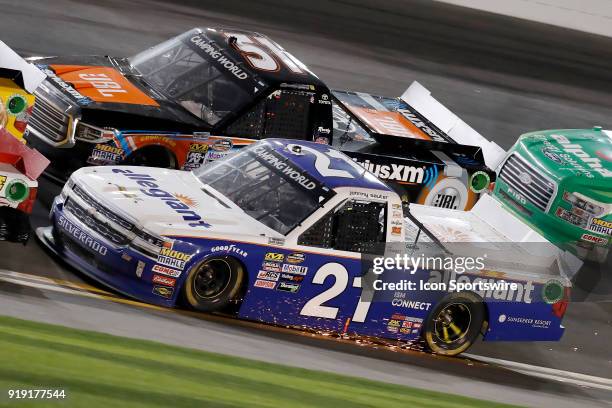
(48, 121)
(524, 179)
(100, 227)
(105, 212)
(109, 225)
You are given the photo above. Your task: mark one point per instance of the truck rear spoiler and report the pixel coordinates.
(421, 100)
(16, 68)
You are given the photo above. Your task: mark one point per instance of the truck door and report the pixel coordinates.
(331, 297)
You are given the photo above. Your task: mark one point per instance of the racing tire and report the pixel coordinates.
(454, 323)
(214, 284)
(153, 156)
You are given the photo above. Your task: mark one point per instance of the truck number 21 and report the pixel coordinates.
(315, 307)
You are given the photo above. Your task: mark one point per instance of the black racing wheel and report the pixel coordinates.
(214, 284)
(453, 325)
(153, 156)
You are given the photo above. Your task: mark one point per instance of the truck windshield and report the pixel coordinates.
(195, 71)
(266, 186)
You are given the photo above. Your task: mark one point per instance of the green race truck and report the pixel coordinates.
(559, 182)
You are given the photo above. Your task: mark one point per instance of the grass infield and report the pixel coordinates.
(99, 370)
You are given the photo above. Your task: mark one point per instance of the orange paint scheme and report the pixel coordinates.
(102, 84)
(389, 123)
(183, 146)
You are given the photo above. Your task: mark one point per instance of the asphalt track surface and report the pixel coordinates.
(502, 76)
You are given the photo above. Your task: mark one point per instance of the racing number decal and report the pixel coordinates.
(315, 308)
(263, 54)
(323, 161)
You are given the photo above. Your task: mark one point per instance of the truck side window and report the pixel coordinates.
(251, 124)
(284, 113)
(287, 114)
(357, 226)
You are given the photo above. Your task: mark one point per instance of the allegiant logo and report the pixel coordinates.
(153, 190)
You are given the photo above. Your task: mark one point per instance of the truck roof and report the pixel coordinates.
(289, 68)
(329, 166)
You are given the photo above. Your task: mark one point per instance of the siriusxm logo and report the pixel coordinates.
(152, 190)
(401, 173)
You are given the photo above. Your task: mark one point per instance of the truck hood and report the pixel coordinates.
(168, 202)
(102, 83)
(578, 154)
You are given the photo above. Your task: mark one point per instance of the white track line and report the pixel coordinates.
(52, 287)
(581, 380)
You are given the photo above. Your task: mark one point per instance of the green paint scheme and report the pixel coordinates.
(560, 183)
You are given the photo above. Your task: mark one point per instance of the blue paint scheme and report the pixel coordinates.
(117, 268)
(283, 308)
(306, 161)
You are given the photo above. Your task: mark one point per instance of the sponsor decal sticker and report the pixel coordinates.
(164, 280)
(265, 284)
(276, 241)
(231, 249)
(172, 258)
(600, 226)
(153, 190)
(537, 323)
(222, 145)
(551, 155)
(105, 154)
(296, 258)
(273, 256)
(214, 155)
(395, 172)
(81, 99)
(2, 181)
(102, 84)
(591, 164)
(164, 270)
(396, 230)
(594, 239)
(267, 275)
(295, 278)
(288, 287)
(295, 269)
(163, 291)
(196, 158)
(217, 55)
(271, 266)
